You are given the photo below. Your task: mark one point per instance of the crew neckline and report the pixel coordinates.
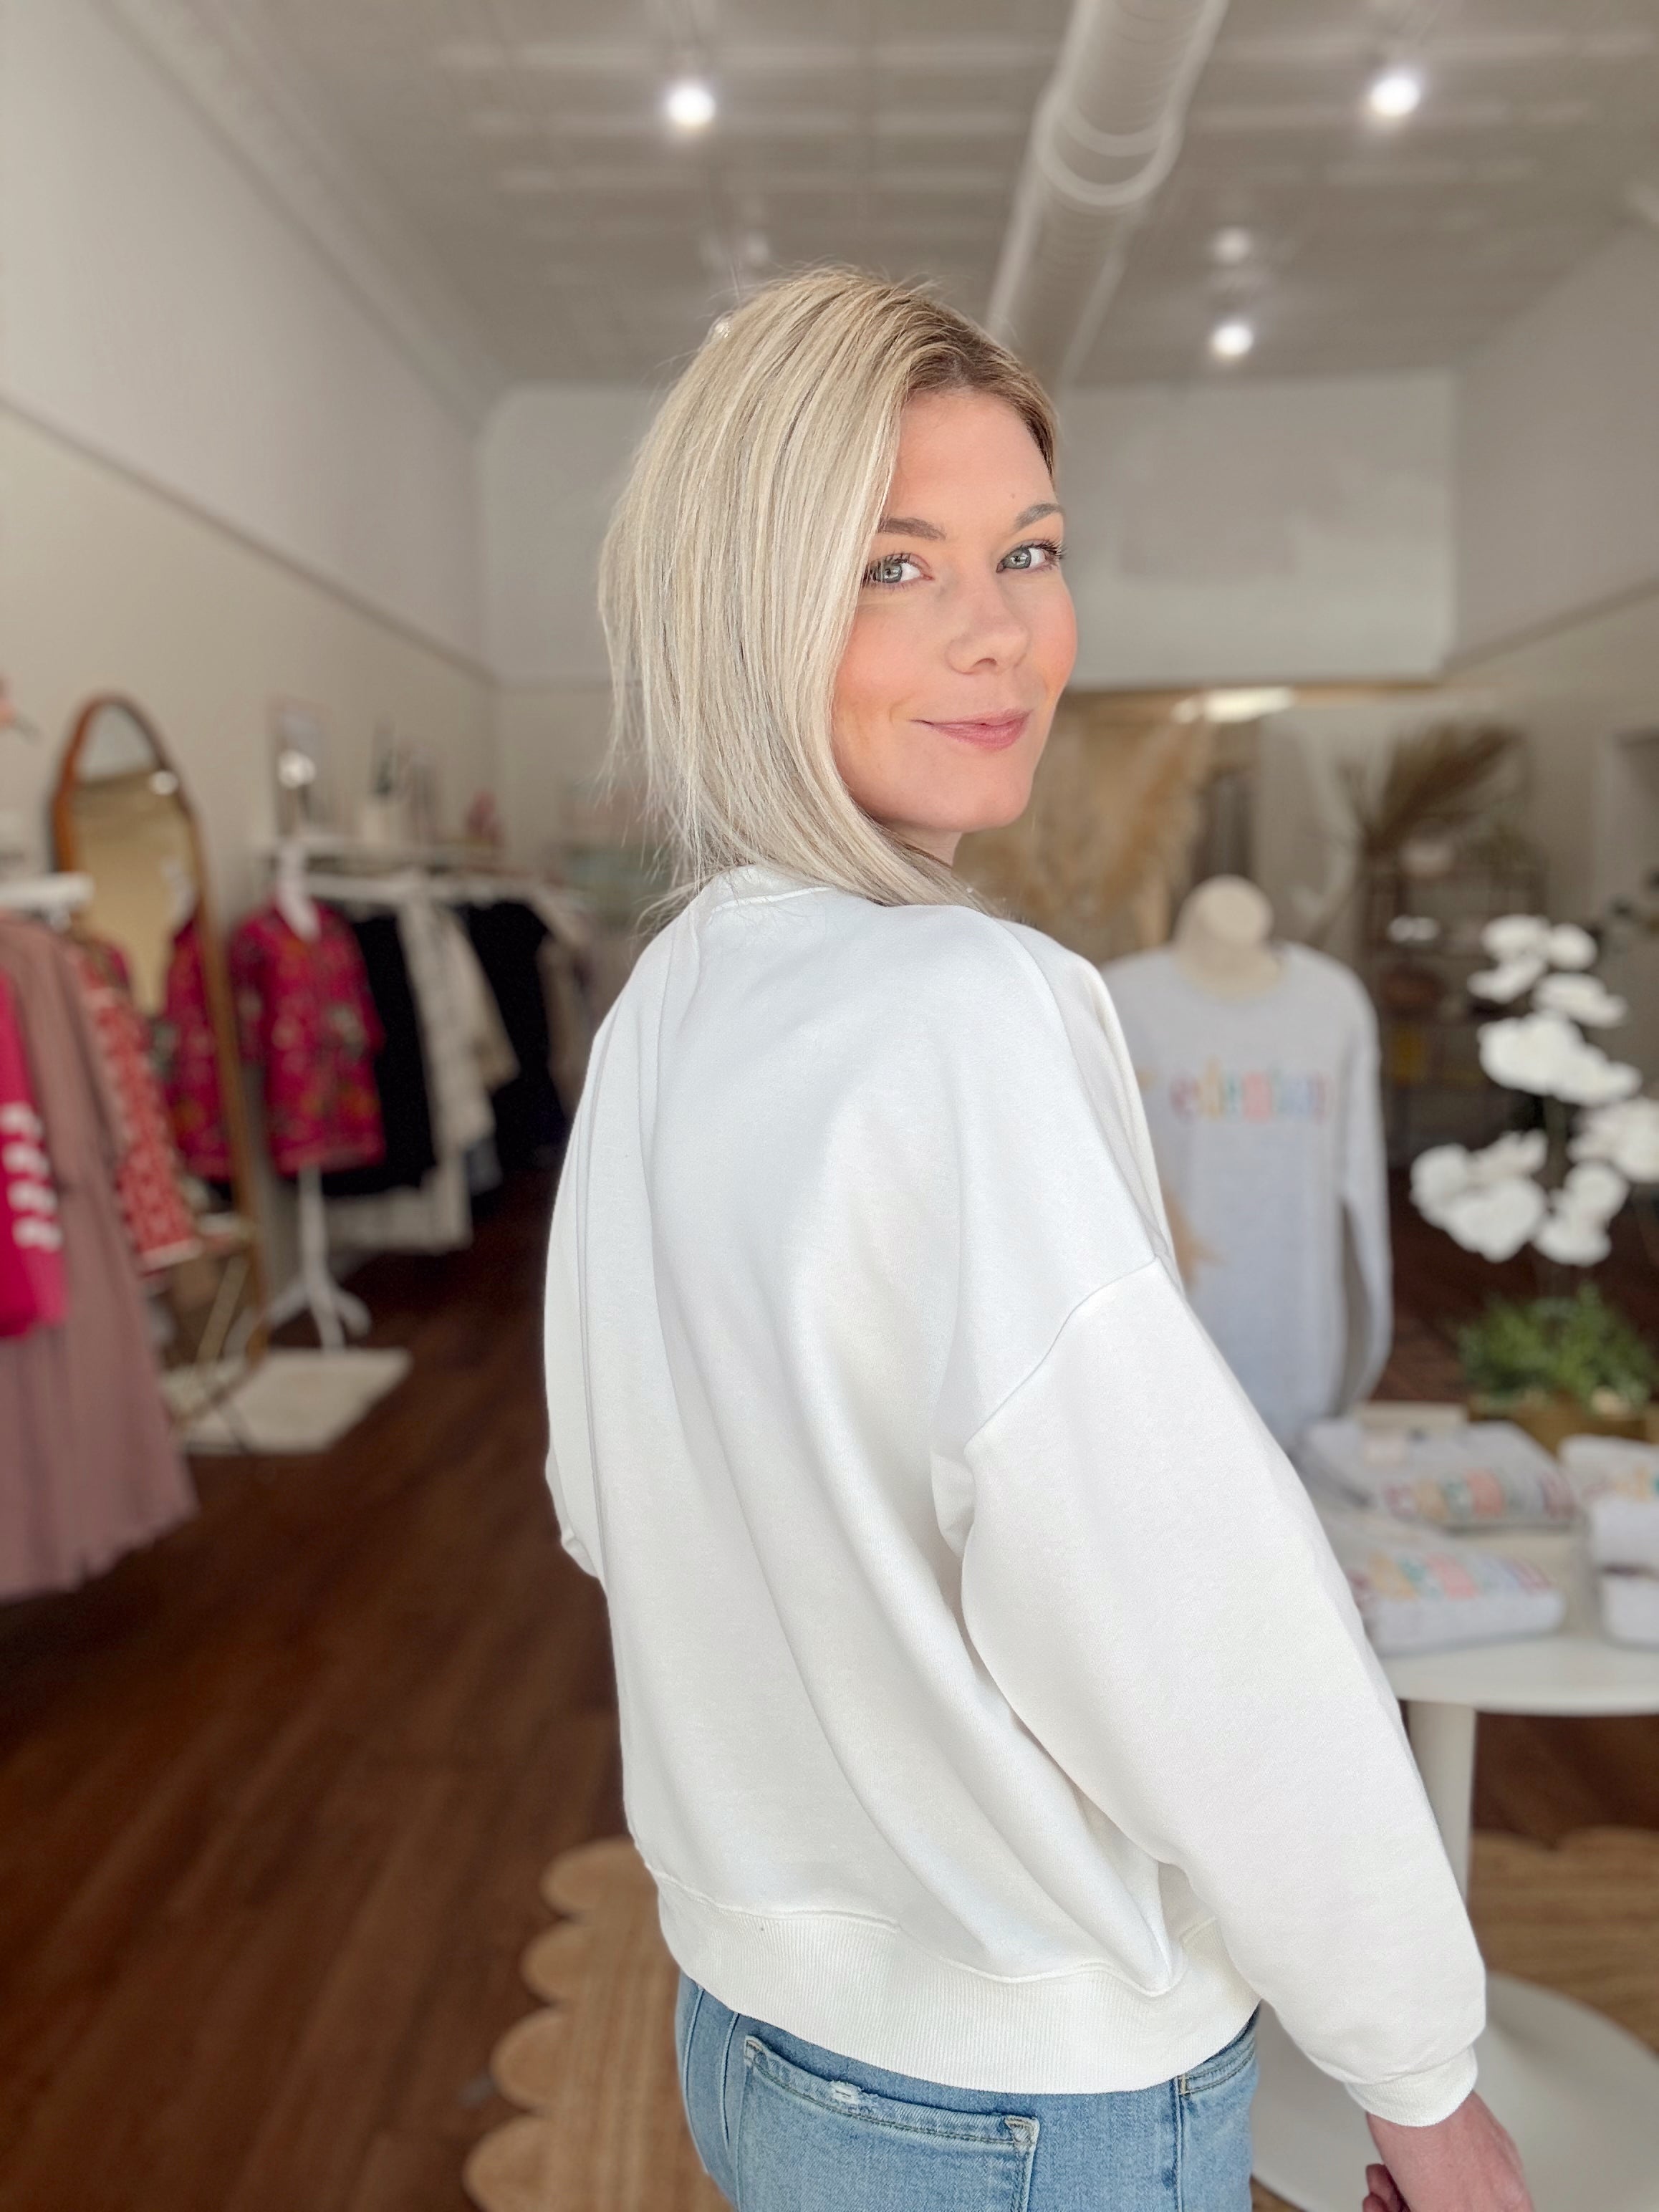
(1286, 954)
(756, 883)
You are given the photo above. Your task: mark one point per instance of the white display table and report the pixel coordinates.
(1579, 2095)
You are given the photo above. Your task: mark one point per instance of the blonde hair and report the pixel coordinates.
(733, 562)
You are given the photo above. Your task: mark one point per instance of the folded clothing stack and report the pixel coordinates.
(1483, 1474)
(1421, 1593)
(1617, 1484)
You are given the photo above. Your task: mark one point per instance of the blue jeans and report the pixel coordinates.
(783, 2126)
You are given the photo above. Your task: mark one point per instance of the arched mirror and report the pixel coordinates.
(121, 815)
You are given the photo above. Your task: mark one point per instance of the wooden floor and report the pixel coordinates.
(274, 1795)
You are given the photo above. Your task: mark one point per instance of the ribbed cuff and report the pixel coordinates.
(1419, 2101)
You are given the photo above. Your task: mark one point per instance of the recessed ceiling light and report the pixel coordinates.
(1232, 340)
(688, 104)
(1231, 246)
(1395, 93)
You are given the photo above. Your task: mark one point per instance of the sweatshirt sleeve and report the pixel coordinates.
(569, 1452)
(1144, 1578)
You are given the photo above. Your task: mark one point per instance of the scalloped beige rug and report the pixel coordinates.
(593, 2069)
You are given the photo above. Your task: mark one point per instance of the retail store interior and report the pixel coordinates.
(327, 330)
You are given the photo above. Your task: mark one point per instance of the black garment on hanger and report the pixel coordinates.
(530, 1122)
(400, 1071)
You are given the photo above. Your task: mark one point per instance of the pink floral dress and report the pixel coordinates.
(186, 1054)
(146, 1179)
(304, 1014)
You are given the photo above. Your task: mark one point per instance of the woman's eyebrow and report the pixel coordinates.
(907, 526)
(912, 525)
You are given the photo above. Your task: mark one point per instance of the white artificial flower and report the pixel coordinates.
(1544, 1053)
(1447, 1173)
(1567, 946)
(1583, 999)
(1495, 1219)
(1528, 1051)
(1596, 1080)
(1576, 1240)
(1439, 1175)
(1521, 1152)
(1626, 1134)
(1513, 935)
(1594, 1190)
(1509, 979)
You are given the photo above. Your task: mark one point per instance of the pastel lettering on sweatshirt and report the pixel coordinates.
(1261, 1094)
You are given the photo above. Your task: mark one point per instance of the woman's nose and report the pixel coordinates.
(987, 631)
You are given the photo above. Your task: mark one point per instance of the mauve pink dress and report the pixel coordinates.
(90, 1467)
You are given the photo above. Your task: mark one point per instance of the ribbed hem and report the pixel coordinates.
(865, 1990)
(1419, 2101)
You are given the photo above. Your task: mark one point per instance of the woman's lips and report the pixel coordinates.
(993, 733)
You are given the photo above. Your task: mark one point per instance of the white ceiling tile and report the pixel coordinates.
(522, 140)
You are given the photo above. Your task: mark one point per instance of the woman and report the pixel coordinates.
(995, 1723)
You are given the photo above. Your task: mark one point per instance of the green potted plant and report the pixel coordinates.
(1559, 1366)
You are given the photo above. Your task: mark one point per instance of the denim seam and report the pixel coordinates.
(725, 2062)
(1178, 2146)
(754, 2049)
(685, 2062)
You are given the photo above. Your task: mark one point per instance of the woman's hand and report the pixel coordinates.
(1464, 2163)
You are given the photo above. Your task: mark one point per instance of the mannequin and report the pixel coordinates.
(1258, 1067)
(1221, 940)
(333, 1310)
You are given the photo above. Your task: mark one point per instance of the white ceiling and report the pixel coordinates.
(1389, 248)
(520, 142)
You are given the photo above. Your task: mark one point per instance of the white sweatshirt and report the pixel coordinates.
(993, 1709)
(1268, 1126)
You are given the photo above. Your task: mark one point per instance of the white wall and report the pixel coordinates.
(1281, 532)
(1587, 694)
(1557, 451)
(1557, 475)
(106, 586)
(551, 464)
(156, 306)
(1289, 530)
(1271, 531)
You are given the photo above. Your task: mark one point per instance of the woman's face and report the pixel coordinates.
(964, 634)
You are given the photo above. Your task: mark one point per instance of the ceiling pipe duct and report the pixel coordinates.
(1106, 135)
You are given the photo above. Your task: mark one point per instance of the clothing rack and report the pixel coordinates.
(51, 898)
(400, 885)
(307, 867)
(335, 1311)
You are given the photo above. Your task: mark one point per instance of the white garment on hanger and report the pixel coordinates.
(436, 1217)
(492, 1048)
(460, 1105)
(1266, 1122)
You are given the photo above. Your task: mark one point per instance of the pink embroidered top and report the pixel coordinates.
(146, 1179)
(306, 1015)
(32, 1289)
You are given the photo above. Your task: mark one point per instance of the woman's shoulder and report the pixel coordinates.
(952, 980)
(962, 969)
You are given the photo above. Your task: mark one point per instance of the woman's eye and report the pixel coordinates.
(891, 569)
(1040, 553)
